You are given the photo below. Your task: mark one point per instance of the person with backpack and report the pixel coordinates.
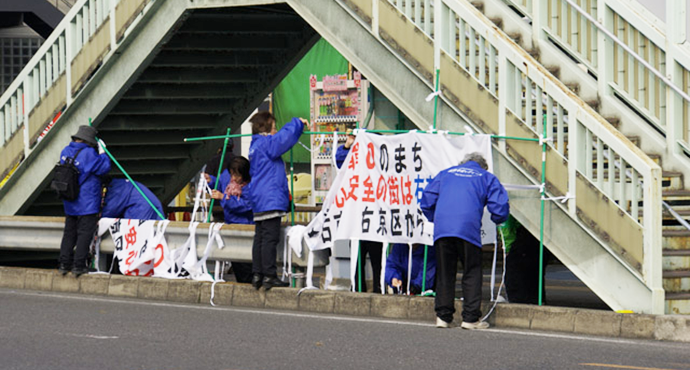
(81, 198)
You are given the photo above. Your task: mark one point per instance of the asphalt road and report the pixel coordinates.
(62, 331)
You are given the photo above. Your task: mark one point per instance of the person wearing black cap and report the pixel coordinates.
(81, 214)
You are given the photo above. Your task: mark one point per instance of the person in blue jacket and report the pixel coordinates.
(366, 247)
(454, 201)
(81, 214)
(234, 195)
(122, 200)
(270, 196)
(397, 264)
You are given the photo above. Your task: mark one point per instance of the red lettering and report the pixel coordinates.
(394, 190)
(370, 156)
(381, 189)
(368, 191)
(160, 260)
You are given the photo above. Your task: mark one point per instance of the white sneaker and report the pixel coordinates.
(475, 325)
(442, 324)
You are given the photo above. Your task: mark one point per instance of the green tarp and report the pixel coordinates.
(291, 96)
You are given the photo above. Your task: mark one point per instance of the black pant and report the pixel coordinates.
(374, 250)
(448, 250)
(266, 238)
(79, 231)
(522, 269)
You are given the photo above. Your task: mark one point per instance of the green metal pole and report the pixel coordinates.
(132, 181)
(438, 73)
(220, 171)
(188, 139)
(541, 221)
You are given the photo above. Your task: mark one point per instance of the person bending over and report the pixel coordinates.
(454, 201)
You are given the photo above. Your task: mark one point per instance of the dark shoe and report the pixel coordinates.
(63, 269)
(274, 282)
(78, 271)
(256, 281)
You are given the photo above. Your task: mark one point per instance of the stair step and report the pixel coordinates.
(554, 70)
(676, 281)
(635, 140)
(479, 5)
(676, 253)
(516, 37)
(677, 304)
(677, 296)
(614, 121)
(676, 274)
(574, 87)
(594, 103)
(498, 22)
(672, 180)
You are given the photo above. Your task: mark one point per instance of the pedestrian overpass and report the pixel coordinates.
(152, 72)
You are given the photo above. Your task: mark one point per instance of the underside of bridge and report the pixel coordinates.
(211, 73)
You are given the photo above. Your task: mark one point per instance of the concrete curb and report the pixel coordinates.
(561, 319)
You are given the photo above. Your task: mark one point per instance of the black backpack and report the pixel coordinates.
(66, 179)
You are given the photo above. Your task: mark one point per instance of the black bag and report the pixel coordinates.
(66, 179)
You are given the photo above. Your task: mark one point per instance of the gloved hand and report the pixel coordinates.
(101, 146)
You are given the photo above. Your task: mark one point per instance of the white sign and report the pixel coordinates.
(375, 195)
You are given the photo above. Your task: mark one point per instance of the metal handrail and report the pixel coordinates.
(625, 47)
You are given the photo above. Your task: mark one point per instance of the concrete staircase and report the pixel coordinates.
(676, 235)
(163, 70)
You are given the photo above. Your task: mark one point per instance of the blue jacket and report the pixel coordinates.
(455, 199)
(340, 155)
(397, 262)
(270, 190)
(122, 200)
(235, 211)
(91, 166)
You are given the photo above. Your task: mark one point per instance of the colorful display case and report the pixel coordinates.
(337, 105)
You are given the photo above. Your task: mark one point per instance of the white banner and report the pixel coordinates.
(140, 247)
(376, 194)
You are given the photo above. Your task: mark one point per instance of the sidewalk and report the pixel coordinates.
(548, 318)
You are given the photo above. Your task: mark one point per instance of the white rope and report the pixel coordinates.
(503, 278)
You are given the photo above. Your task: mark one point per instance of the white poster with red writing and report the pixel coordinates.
(141, 248)
(376, 193)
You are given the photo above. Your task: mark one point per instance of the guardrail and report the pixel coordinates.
(44, 234)
(620, 67)
(87, 36)
(506, 92)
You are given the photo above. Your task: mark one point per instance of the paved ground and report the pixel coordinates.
(61, 331)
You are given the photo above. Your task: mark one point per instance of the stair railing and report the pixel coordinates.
(55, 75)
(521, 95)
(636, 58)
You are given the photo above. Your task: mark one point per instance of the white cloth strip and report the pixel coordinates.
(432, 95)
(521, 187)
(358, 131)
(334, 149)
(383, 268)
(543, 140)
(354, 263)
(563, 199)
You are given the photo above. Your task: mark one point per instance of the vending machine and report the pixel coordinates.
(337, 105)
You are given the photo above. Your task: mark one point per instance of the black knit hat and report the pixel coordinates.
(86, 133)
